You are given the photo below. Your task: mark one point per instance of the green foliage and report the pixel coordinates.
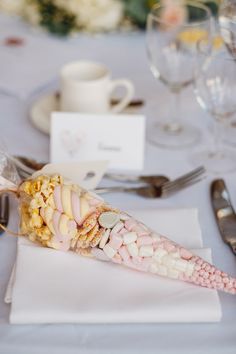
(55, 19)
(213, 6)
(61, 22)
(137, 11)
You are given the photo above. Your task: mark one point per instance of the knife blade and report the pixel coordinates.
(224, 213)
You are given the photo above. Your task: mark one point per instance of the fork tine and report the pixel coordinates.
(185, 178)
(182, 183)
(188, 175)
(166, 192)
(178, 186)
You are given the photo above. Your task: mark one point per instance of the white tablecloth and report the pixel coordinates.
(125, 55)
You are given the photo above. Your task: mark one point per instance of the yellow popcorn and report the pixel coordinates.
(36, 221)
(43, 233)
(56, 179)
(32, 236)
(36, 186)
(50, 202)
(26, 187)
(35, 212)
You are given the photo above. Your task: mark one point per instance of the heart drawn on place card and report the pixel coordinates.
(71, 141)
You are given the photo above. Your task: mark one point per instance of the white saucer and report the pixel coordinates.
(41, 110)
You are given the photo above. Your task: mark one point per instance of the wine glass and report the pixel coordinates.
(215, 89)
(227, 24)
(172, 34)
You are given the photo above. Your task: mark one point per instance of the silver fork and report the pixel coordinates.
(164, 190)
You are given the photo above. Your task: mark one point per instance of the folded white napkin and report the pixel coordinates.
(54, 287)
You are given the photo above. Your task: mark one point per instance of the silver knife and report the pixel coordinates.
(224, 213)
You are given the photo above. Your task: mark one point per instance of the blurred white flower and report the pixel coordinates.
(13, 7)
(94, 15)
(31, 13)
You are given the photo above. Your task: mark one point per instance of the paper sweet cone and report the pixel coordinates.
(61, 215)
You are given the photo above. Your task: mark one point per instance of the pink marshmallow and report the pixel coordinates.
(72, 225)
(218, 279)
(99, 254)
(140, 231)
(57, 198)
(115, 241)
(199, 261)
(75, 206)
(94, 202)
(117, 259)
(225, 280)
(137, 260)
(144, 240)
(168, 246)
(185, 253)
(130, 223)
(124, 253)
(129, 263)
(146, 262)
(118, 227)
(63, 245)
(122, 231)
(205, 275)
(55, 220)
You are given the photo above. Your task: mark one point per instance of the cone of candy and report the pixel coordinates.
(59, 214)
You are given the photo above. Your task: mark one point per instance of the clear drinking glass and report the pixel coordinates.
(172, 35)
(227, 24)
(215, 89)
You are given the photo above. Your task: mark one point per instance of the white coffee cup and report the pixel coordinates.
(87, 87)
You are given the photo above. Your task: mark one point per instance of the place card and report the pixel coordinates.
(119, 139)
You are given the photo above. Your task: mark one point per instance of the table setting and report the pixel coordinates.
(117, 176)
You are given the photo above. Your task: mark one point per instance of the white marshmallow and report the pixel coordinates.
(146, 251)
(168, 261)
(129, 237)
(124, 217)
(181, 265)
(190, 269)
(104, 238)
(108, 219)
(117, 227)
(155, 237)
(109, 251)
(153, 268)
(99, 254)
(159, 254)
(172, 273)
(161, 270)
(175, 254)
(133, 249)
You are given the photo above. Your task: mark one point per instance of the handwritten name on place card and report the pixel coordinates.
(120, 139)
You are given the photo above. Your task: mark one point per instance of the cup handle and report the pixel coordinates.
(127, 98)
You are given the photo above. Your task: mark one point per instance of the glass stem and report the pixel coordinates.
(217, 138)
(174, 126)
